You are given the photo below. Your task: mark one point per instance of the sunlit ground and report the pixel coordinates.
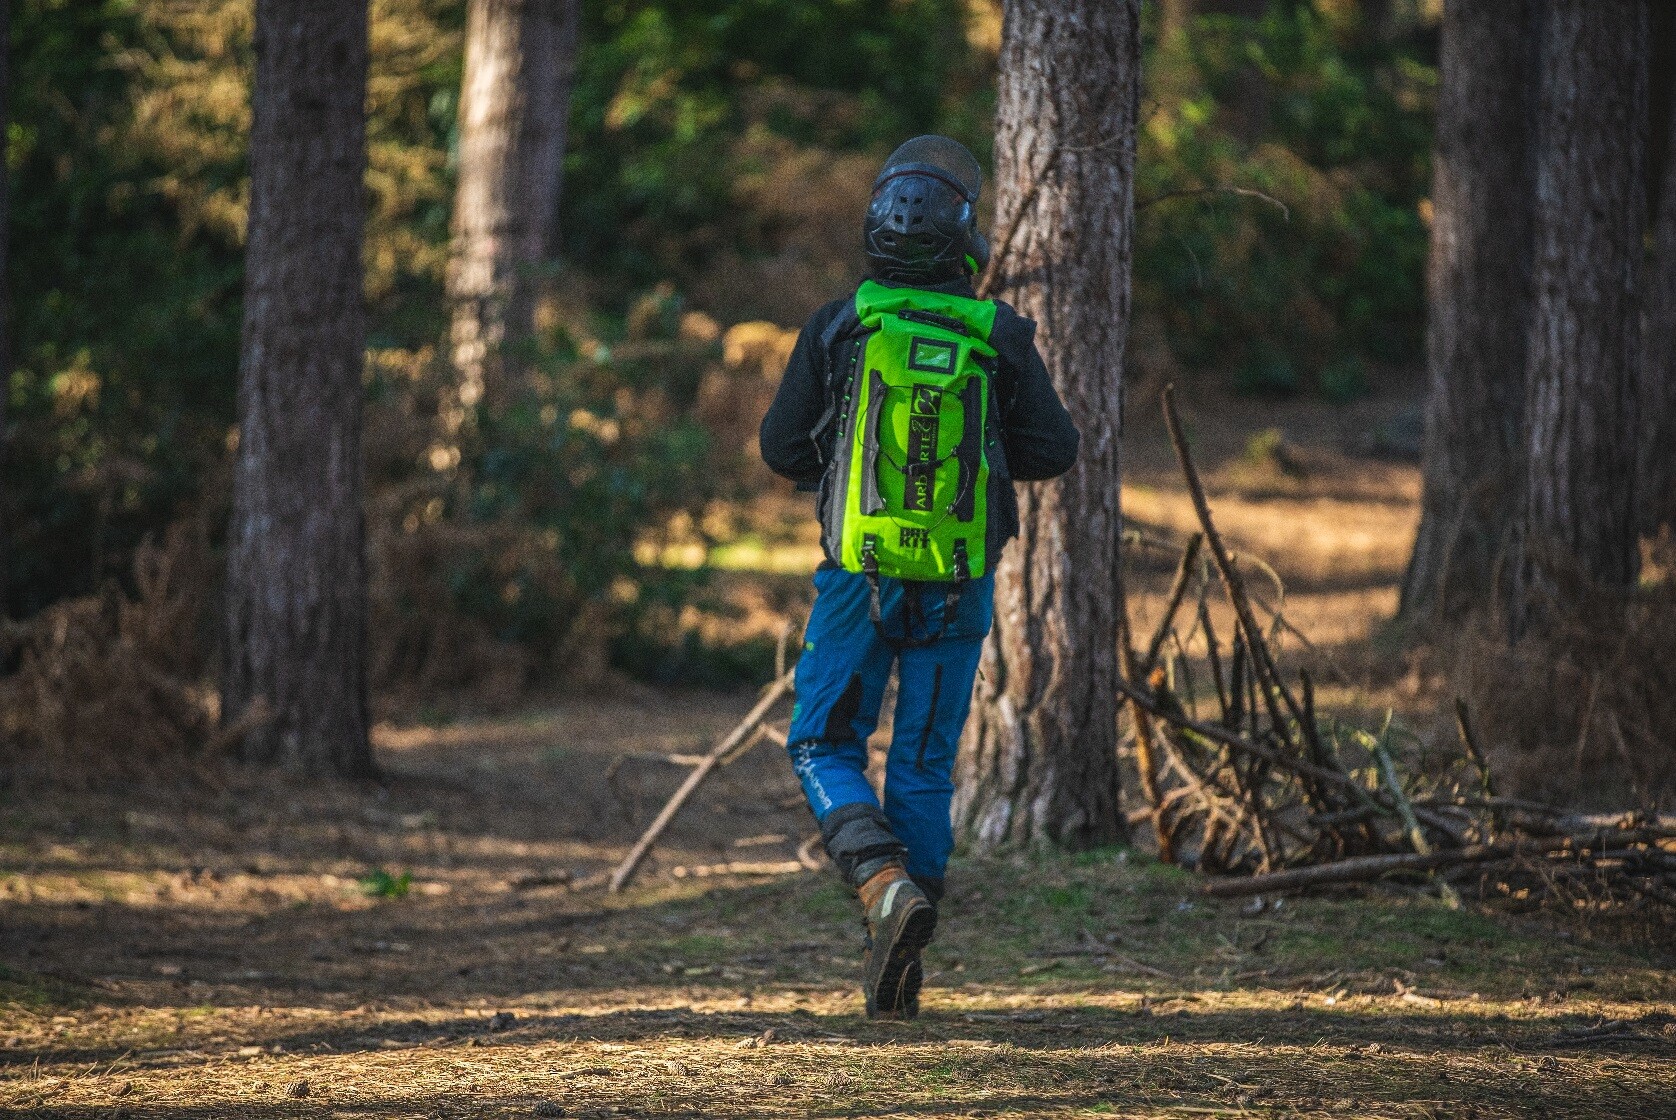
(1072, 986)
(237, 952)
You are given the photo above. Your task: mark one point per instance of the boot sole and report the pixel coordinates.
(912, 937)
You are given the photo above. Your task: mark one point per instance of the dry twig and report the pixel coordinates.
(746, 731)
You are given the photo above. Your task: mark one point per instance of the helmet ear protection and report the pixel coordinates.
(977, 247)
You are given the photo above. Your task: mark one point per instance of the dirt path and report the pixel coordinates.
(213, 954)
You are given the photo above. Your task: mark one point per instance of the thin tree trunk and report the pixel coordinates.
(514, 107)
(1172, 77)
(1656, 480)
(1173, 18)
(1041, 754)
(1376, 16)
(296, 575)
(1585, 338)
(1478, 298)
(5, 290)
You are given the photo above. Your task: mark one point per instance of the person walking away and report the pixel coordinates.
(910, 408)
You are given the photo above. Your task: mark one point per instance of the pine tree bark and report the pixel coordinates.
(1656, 479)
(1478, 298)
(1040, 758)
(1585, 339)
(295, 626)
(514, 109)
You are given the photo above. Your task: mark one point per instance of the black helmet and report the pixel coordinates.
(922, 223)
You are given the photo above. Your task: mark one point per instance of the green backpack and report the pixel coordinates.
(908, 491)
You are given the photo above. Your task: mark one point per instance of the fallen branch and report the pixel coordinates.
(763, 732)
(1196, 192)
(743, 732)
(1129, 667)
(1178, 591)
(1411, 823)
(1469, 745)
(1388, 770)
(1268, 676)
(806, 852)
(1364, 869)
(740, 867)
(1219, 734)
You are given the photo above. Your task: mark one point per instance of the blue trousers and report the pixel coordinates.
(841, 678)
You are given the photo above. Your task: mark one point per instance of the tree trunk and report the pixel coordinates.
(1376, 16)
(1172, 76)
(1590, 215)
(1656, 479)
(1041, 755)
(514, 107)
(5, 288)
(1173, 18)
(296, 574)
(1478, 298)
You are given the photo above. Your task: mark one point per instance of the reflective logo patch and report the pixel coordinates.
(932, 355)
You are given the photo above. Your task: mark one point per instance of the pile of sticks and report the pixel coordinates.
(1265, 793)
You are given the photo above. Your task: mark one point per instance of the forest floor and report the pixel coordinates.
(437, 946)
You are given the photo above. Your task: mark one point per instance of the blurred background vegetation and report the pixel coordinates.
(719, 158)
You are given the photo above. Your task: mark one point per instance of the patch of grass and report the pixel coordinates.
(27, 991)
(700, 945)
(830, 901)
(379, 883)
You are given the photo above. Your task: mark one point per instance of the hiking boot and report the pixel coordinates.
(900, 922)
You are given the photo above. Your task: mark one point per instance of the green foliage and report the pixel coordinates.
(125, 319)
(517, 534)
(719, 154)
(1266, 450)
(379, 883)
(685, 111)
(1344, 379)
(649, 648)
(127, 157)
(1325, 273)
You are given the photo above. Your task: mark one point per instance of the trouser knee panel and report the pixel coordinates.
(860, 842)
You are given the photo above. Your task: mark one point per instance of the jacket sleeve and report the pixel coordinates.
(1039, 436)
(787, 435)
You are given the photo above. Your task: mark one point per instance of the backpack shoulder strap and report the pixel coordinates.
(845, 324)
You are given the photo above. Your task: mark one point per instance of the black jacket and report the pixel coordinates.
(1038, 439)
